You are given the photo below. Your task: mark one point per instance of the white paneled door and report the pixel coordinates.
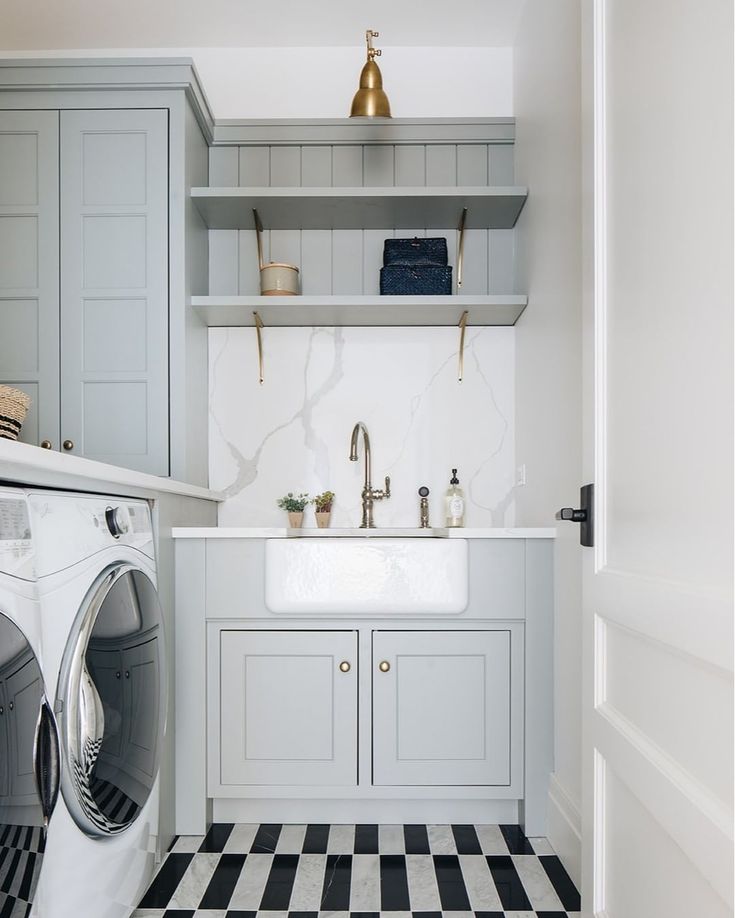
(658, 719)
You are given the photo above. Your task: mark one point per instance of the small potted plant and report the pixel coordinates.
(323, 508)
(294, 506)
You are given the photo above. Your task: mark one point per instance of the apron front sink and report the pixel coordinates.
(366, 576)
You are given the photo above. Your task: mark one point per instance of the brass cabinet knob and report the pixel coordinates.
(384, 666)
(68, 444)
(46, 444)
(345, 666)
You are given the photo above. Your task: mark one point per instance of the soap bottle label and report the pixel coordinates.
(456, 507)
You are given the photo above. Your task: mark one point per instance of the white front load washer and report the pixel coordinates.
(29, 750)
(104, 662)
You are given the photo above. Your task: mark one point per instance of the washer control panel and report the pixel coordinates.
(68, 528)
(16, 544)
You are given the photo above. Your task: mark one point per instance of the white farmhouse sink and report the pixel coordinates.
(344, 575)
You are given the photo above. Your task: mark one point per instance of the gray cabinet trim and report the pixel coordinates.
(166, 73)
(248, 132)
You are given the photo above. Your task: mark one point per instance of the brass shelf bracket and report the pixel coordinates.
(462, 328)
(460, 248)
(258, 326)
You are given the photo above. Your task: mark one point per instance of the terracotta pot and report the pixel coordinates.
(322, 518)
(295, 520)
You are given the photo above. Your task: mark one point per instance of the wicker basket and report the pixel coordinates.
(13, 409)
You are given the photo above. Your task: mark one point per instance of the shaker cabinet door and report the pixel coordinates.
(447, 707)
(288, 712)
(29, 266)
(114, 287)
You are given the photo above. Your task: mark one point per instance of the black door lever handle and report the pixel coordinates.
(573, 516)
(585, 515)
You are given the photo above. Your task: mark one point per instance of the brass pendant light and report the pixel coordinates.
(370, 100)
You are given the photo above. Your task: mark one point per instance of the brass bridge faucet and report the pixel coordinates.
(369, 494)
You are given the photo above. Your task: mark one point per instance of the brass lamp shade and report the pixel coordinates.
(370, 100)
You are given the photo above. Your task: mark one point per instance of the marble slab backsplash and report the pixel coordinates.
(293, 432)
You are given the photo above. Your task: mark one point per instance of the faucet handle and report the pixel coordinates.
(387, 486)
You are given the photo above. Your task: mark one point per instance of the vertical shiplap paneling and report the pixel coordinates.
(255, 167)
(501, 243)
(223, 264)
(474, 273)
(247, 259)
(501, 168)
(378, 169)
(472, 169)
(349, 261)
(372, 259)
(223, 167)
(316, 167)
(254, 172)
(501, 256)
(347, 166)
(410, 165)
(347, 252)
(316, 262)
(441, 164)
(316, 245)
(285, 245)
(285, 171)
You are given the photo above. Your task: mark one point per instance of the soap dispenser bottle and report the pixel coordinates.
(454, 503)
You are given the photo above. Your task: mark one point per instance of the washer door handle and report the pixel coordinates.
(46, 761)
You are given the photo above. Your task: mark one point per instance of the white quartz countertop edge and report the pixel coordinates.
(246, 532)
(23, 464)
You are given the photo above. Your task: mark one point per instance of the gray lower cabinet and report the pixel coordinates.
(288, 708)
(447, 706)
(84, 279)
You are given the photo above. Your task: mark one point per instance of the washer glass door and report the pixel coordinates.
(113, 702)
(28, 769)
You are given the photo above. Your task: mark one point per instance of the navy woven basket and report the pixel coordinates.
(415, 251)
(415, 280)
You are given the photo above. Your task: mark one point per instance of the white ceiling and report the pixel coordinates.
(100, 24)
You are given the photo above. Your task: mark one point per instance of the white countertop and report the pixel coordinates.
(21, 463)
(246, 532)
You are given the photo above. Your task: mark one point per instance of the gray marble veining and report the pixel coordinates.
(291, 433)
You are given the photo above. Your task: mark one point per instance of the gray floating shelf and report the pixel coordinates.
(350, 311)
(360, 208)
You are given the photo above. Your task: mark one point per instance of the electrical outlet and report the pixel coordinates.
(521, 475)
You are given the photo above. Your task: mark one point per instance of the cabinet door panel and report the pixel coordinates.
(114, 286)
(29, 266)
(288, 714)
(24, 691)
(141, 673)
(447, 712)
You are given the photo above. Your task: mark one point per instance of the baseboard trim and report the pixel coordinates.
(565, 830)
(429, 812)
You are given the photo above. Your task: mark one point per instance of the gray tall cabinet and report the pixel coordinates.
(100, 249)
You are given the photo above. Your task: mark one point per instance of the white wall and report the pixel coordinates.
(320, 82)
(549, 357)
(293, 432)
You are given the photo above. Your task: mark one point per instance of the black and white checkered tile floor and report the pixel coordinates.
(412, 871)
(21, 855)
